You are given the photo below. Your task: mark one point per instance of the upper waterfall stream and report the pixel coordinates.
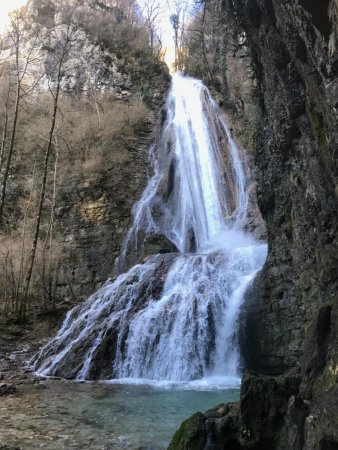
(175, 316)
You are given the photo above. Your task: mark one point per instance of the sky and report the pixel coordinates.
(5, 7)
(164, 26)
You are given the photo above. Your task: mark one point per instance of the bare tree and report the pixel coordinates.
(6, 117)
(197, 36)
(152, 12)
(130, 9)
(64, 42)
(22, 62)
(179, 20)
(175, 22)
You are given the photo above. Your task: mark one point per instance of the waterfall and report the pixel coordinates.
(175, 316)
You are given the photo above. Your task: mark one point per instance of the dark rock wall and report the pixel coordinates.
(95, 211)
(289, 396)
(291, 311)
(296, 161)
(96, 216)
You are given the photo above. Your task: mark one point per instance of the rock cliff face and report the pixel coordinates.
(97, 213)
(110, 70)
(297, 174)
(290, 317)
(96, 216)
(97, 208)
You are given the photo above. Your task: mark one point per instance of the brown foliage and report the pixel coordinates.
(93, 133)
(91, 137)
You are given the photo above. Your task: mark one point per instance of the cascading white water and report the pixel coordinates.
(196, 193)
(175, 316)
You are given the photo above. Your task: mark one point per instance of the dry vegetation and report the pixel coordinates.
(57, 135)
(87, 142)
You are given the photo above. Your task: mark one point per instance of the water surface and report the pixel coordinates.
(59, 415)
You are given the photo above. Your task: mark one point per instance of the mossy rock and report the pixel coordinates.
(191, 435)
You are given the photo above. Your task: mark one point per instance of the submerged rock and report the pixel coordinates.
(7, 389)
(9, 447)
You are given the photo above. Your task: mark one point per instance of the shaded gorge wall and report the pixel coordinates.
(290, 339)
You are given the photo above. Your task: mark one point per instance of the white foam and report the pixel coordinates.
(213, 383)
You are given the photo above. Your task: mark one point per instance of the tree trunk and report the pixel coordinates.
(10, 151)
(203, 41)
(4, 135)
(31, 260)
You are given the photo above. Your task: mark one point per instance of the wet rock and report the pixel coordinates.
(9, 447)
(156, 243)
(27, 382)
(252, 423)
(291, 310)
(41, 387)
(7, 389)
(254, 223)
(295, 171)
(141, 247)
(191, 435)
